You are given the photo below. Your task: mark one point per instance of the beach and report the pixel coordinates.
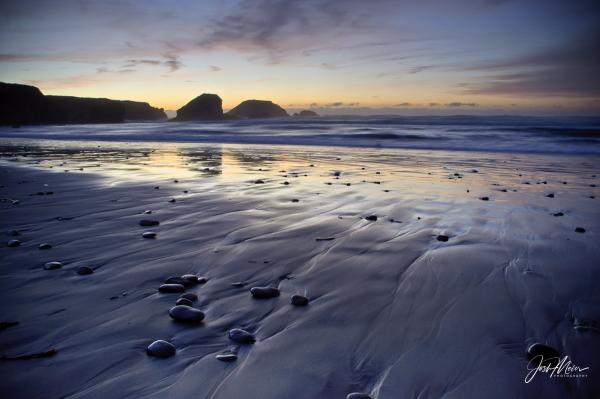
(429, 273)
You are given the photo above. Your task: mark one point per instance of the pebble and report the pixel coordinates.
(189, 296)
(371, 218)
(295, 200)
(299, 300)
(45, 246)
(148, 222)
(442, 238)
(550, 195)
(549, 353)
(485, 198)
(579, 230)
(14, 243)
(84, 270)
(227, 357)
(160, 348)
(259, 182)
(170, 288)
(184, 301)
(52, 265)
(194, 279)
(264, 292)
(147, 212)
(358, 395)
(172, 200)
(149, 234)
(241, 336)
(559, 214)
(186, 314)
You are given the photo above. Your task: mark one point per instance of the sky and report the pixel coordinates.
(335, 56)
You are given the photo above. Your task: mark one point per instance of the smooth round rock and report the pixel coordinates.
(84, 270)
(161, 348)
(371, 218)
(193, 279)
(45, 246)
(186, 314)
(579, 230)
(13, 243)
(52, 265)
(485, 198)
(358, 395)
(149, 234)
(548, 354)
(442, 238)
(241, 336)
(190, 296)
(264, 292)
(227, 357)
(147, 212)
(177, 280)
(172, 200)
(171, 288)
(559, 214)
(184, 301)
(299, 300)
(147, 222)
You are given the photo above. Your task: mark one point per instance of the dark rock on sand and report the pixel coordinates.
(227, 357)
(190, 296)
(84, 270)
(160, 348)
(184, 301)
(485, 198)
(193, 279)
(358, 395)
(442, 238)
(548, 354)
(13, 243)
(172, 200)
(259, 182)
(550, 195)
(241, 336)
(559, 214)
(202, 108)
(251, 109)
(171, 288)
(52, 265)
(264, 292)
(147, 222)
(579, 230)
(149, 234)
(45, 246)
(186, 314)
(299, 300)
(371, 218)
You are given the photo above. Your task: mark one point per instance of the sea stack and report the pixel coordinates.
(251, 109)
(306, 113)
(206, 107)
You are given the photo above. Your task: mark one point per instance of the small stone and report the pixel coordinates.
(147, 212)
(485, 198)
(171, 288)
(371, 218)
(186, 314)
(52, 265)
(172, 200)
(149, 234)
(548, 354)
(227, 357)
(190, 296)
(579, 230)
(45, 246)
(84, 270)
(358, 395)
(13, 243)
(442, 238)
(178, 280)
(299, 300)
(264, 292)
(148, 222)
(241, 336)
(239, 284)
(295, 200)
(184, 301)
(286, 183)
(160, 348)
(193, 279)
(559, 214)
(259, 182)
(550, 195)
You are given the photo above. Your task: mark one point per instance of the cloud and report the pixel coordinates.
(338, 104)
(214, 68)
(460, 104)
(404, 104)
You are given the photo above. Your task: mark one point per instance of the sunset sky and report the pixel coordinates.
(352, 56)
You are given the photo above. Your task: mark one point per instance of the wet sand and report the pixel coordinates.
(395, 309)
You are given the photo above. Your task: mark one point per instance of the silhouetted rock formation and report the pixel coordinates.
(306, 113)
(206, 107)
(26, 105)
(257, 109)
(21, 104)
